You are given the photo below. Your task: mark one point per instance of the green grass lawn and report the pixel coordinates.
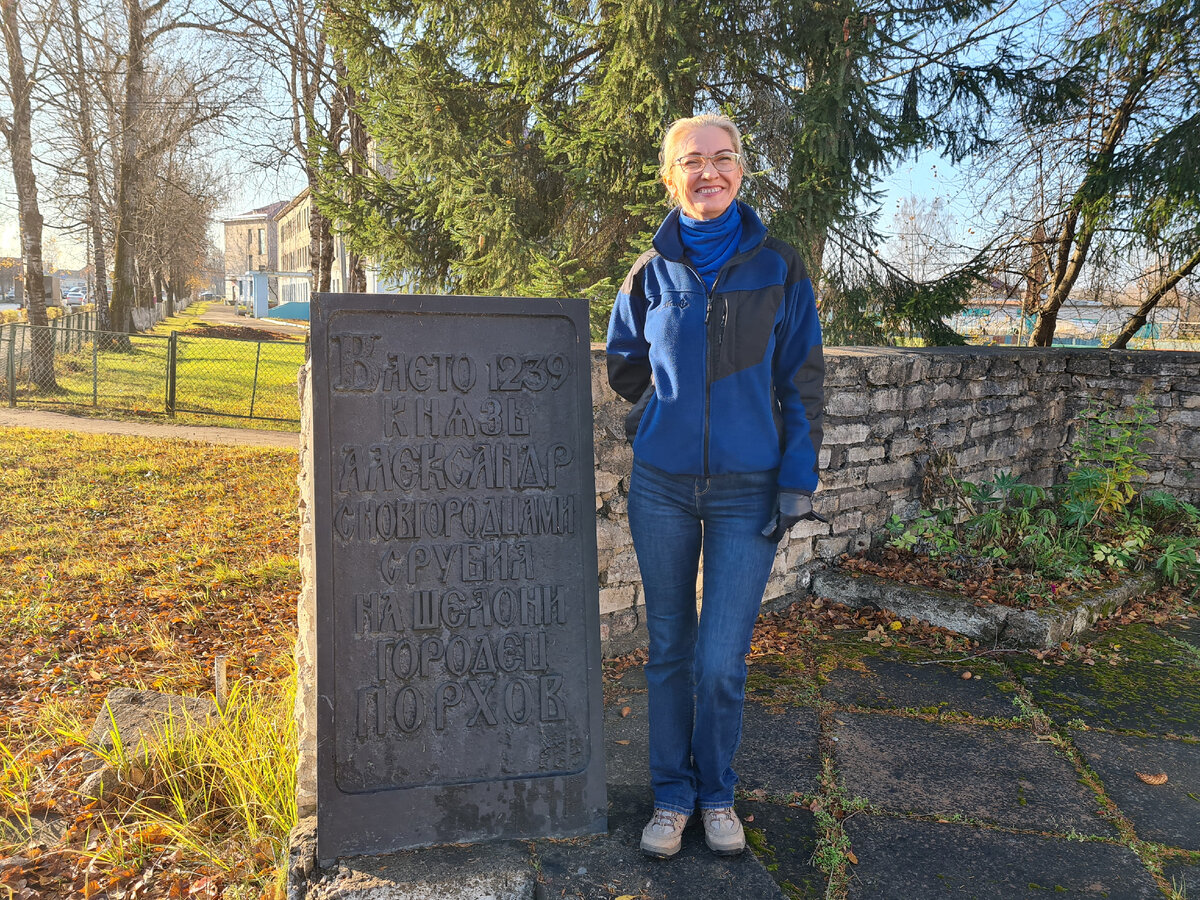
(217, 380)
(134, 563)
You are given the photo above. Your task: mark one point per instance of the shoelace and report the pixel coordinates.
(719, 817)
(664, 818)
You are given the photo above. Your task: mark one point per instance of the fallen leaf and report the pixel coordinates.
(850, 856)
(625, 711)
(749, 818)
(1159, 778)
(966, 675)
(622, 743)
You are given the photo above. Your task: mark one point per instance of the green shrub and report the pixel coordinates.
(1094, 523)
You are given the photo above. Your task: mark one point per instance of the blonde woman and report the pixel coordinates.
(714, 337)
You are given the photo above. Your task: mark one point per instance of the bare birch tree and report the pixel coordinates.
(17, 129)
(288, 39)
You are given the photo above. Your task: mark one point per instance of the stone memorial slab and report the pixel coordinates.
(901, 859)
(458, 657)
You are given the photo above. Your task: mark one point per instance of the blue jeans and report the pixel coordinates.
(696, 673)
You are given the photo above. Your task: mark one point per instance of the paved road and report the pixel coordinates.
(26, 417)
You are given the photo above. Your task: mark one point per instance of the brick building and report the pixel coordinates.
(252, 245)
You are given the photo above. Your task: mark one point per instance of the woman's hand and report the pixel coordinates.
(790, 508)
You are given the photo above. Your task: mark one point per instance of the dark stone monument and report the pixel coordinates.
(458, 657)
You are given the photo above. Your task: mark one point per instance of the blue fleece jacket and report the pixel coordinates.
(723, 380)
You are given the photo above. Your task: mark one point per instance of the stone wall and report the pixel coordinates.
(894, 417)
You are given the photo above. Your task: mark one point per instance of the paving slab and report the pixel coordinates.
(626, 739)
(1186, 632)
(1165, 813)
(782, 680)
(499, 871)
(880, 682)
(1184, 877)
(1128, 696)
(901, 859)
(1154, 644)
(632, 680)
(977, 772)
(784, 839)
(613, 865)
(779, 752)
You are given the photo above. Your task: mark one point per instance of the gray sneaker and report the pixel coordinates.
(723, 831)
(663, 836)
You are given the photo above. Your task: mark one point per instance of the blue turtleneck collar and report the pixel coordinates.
(710, 243)
(668, 240)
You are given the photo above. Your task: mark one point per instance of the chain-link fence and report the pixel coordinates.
(69, 363)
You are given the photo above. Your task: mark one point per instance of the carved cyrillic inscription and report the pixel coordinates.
(455, 501)
(441, 466)
(403, 518)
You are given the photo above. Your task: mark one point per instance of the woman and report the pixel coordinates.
(714, 337)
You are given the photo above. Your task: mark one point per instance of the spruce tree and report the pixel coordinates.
(516, 140)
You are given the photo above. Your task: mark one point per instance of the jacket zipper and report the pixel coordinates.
(710, 359)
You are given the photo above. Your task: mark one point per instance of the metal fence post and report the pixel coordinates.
(254, 390)
(95, 367)
(11, 368)
(172, 349)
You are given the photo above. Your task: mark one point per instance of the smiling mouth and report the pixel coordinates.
(709, 190)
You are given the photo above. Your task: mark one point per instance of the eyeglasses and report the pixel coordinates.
(696, 162)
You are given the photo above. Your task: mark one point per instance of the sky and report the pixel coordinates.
(926, 177)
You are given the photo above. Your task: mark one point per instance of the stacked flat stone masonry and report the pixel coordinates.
(896, 416)
(892, 417)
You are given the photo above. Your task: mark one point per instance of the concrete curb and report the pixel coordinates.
(988, 623)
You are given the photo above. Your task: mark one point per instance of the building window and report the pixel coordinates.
(249, 263)
(261, 251)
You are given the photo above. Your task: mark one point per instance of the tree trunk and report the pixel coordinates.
(1138, 319)
(125, 275)
(20, 145)
(1073, 246)
(95, 220)
(323, 228)
(356, 276)
(159, 288)
(325, 255)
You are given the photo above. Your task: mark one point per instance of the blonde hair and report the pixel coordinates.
(681, 128)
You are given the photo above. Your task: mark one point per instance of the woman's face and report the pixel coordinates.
(707, 193)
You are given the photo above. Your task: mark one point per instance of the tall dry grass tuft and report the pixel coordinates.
(218, 795)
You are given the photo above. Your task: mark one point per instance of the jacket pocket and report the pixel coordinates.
(633, 419)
